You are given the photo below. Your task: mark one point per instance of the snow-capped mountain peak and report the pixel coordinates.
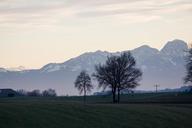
(175, 48)
(85, 61)
(3, 70)
(20, 68)
(145, 49)
(13, 69)
(52, 67)
(143, 54)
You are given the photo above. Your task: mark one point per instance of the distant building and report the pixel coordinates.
(8, 93)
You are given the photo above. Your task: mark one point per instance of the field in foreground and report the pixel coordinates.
(62, 113)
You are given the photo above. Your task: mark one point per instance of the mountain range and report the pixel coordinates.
(165, 67)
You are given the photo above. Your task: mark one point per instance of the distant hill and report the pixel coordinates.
(133, 91)
(164, 67)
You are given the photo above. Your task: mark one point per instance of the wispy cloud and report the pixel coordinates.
(50, 12)
(65, 28)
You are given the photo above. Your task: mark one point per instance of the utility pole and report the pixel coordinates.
(156, 87)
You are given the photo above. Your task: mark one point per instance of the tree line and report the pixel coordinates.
(37, 93)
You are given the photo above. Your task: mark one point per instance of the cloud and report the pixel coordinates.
(50, 12)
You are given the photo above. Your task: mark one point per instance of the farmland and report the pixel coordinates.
(135, 111)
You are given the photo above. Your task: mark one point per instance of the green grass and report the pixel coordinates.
(140, 98)
(69, 112)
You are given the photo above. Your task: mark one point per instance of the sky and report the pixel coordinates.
(36, 32)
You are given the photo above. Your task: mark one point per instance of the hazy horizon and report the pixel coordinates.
(34, 33)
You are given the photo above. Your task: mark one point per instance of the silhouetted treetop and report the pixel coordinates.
(119, 72)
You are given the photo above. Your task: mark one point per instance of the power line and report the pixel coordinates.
(156, 87)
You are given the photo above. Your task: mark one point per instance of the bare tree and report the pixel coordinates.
(128, 75)
(22, 92)
(105, 75)
(83, 84)
(49, 93)
(118, 73)
(188, 77)
(34, 93)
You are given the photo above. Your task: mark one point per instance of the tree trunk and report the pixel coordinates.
(118, 91)
(84, 97)
(114, 95)
(114, 99)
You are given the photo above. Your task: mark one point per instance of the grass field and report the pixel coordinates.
(69, 112)
(179, 98)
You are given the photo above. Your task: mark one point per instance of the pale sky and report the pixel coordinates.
(36, 32)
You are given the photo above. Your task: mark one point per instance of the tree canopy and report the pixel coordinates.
(118, 73)
(188, 77)
(83, 83)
